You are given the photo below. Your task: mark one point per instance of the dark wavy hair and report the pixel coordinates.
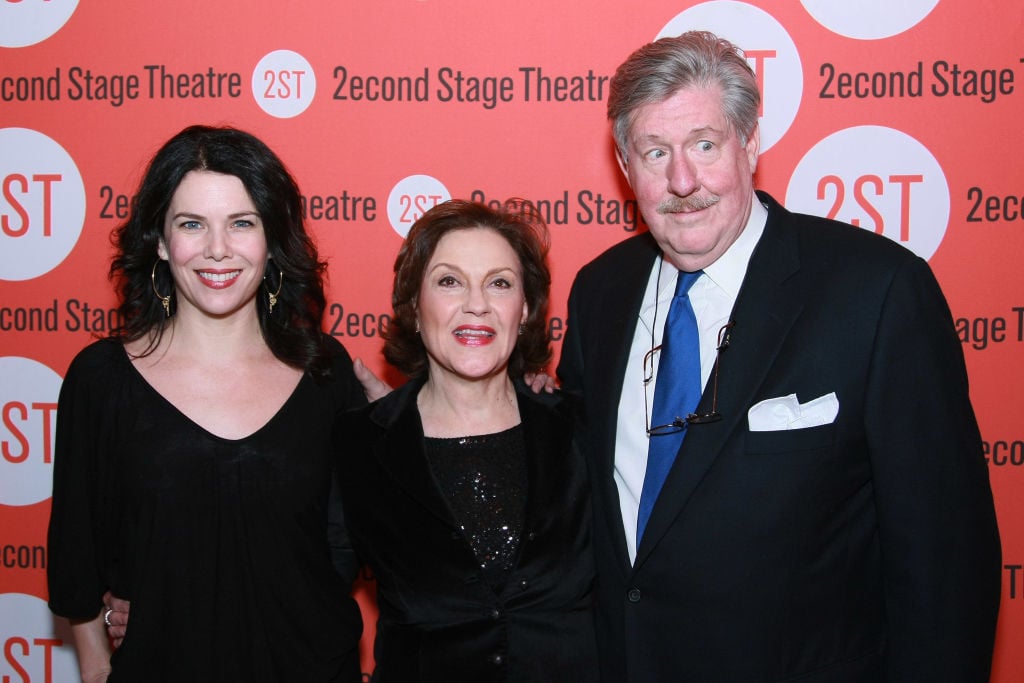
(523, 228)
(293, 331)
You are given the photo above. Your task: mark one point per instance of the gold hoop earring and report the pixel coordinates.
(273, 295)
(165, 300)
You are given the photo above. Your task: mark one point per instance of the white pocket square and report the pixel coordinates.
(786, 412)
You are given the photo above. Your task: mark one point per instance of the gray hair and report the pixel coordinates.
(658, 70)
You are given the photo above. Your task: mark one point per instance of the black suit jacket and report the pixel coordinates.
(439, 619)
(863, 550)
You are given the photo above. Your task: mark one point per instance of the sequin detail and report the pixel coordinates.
(484, 480)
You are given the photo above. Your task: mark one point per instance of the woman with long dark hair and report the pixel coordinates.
(192, 470)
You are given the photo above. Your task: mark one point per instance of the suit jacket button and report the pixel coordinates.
(497, 659)
(633, 595)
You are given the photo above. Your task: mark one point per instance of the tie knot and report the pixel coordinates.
(685, 281)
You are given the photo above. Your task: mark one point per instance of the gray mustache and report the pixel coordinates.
(677, 204)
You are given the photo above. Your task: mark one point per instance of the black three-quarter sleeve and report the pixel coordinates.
(349, 394)
(75, 579)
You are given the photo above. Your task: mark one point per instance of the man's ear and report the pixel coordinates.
(623, 164)
(753, 147)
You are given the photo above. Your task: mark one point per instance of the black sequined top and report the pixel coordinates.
(483, 479)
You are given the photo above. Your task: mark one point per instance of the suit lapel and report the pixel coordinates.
(620, 314)
(547, 440)
(400, 453)
(768, 303)
(400, 449)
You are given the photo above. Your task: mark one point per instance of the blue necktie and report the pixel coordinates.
(676, 394)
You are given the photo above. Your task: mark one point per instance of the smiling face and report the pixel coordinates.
(691, 174)
(470, 304)
(214, 243)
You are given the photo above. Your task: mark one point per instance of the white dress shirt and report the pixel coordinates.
(712, 297)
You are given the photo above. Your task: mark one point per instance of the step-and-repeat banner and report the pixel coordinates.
(902, 118)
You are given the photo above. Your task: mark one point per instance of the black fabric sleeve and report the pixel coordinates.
(75, 545)
(348, 393)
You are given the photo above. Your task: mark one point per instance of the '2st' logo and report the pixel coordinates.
(27, 22)
(42, 204)
(411, 197)
(34, 647)
(283, 84)
(28, 414)
(878, 178)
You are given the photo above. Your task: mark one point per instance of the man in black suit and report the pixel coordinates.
(828, 516)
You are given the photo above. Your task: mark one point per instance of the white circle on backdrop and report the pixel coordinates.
(411, 197)
(283, 84)
(42, 204)
(27, 23)
(28, 417)
(36, 643)
(878, 178)
(770, 51)
(868, 19)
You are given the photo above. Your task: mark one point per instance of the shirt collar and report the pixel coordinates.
(729, 270)
(726, 273)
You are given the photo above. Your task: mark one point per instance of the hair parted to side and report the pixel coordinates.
(293, 331)
(658, 70)
(523, 228)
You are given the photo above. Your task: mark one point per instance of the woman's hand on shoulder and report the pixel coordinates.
(373, 386)
(540, 381)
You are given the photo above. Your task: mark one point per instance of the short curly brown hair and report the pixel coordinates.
(523, 228)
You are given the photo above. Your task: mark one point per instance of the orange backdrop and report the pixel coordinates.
(902, 119)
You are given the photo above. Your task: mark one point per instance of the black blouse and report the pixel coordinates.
(221, 545)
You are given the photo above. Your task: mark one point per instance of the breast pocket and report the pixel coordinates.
(789, 440)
